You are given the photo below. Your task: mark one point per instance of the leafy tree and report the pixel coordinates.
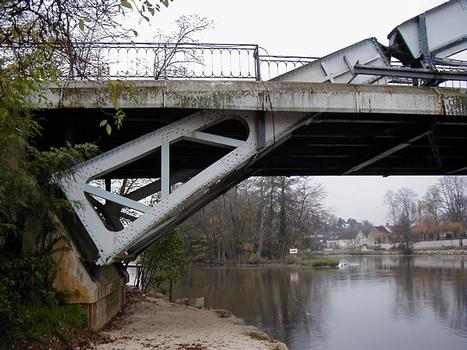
(39, 41)
(164, 262)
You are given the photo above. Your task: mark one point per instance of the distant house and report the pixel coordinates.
(379, 235)
(347, 240)
(353, 240)
(361, 239)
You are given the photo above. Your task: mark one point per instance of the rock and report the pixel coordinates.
(238, 321)
(182, 301)
(277, 345)
(196, 302)
(223, 313)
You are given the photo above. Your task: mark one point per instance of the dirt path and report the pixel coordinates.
(154, 323)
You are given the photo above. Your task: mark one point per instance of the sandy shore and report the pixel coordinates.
(155, 323)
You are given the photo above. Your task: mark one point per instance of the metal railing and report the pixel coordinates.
(188, 61)
(162, 61)
(132, 60)
(173, 60)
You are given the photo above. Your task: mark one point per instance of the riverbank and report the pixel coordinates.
(301, 262)
(154, 323)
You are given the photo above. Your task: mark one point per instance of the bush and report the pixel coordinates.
(321, 262)
(291, 260)
(164, 262)
(30, 309)
(307, 255)
(256, 259)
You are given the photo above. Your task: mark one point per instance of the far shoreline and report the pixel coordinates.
(333, 255)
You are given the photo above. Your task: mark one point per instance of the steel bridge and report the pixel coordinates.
(213, 115)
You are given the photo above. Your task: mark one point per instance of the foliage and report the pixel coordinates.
(29, 203)
(40, 43)
(165, 261)
(259, 336)
(255, 259)
(29, 307)
(117, 89)
(318, 262)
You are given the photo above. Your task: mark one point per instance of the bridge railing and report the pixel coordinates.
(184, 61)
(161, 61)
(140, 60)
(171, 61)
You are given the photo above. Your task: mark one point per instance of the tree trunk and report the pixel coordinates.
(171, 289)
(282, 221)
(260, 232)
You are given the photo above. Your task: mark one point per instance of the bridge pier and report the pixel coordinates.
(99, 289)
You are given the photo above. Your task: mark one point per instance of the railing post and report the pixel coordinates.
(257, 63)
(165, 63)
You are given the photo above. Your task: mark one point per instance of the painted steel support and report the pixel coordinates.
(438, 33)
(415, 73)
(165, 170)
(172, 206)
(338, 66)
(386, 153)
(123, 201)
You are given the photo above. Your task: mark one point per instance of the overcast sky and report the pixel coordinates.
(310, 28)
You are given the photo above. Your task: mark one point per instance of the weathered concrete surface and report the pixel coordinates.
(264, 96)
(102, 296)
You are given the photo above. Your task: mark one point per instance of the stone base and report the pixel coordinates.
(101, 290)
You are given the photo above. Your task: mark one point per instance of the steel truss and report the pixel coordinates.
(265, 131)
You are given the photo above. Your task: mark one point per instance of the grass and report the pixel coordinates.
(318, 262)
(45, 326)
(259, 336)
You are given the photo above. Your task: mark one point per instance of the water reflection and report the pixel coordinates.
(385, 302)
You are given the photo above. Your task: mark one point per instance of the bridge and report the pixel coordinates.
(193, 130)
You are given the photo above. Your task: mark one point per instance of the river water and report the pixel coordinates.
(380, 302)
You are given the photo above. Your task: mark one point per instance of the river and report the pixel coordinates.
(380, 302)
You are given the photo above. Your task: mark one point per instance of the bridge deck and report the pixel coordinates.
(354, 129)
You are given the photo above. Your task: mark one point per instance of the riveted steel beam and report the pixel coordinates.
(172, 205)
(386, 153)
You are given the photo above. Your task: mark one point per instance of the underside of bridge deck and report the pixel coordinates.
(332, 144)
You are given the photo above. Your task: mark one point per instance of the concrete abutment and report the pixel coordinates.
(100, 291)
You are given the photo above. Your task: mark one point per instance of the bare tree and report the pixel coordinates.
(59, 35)
(452, 198)
(260, 217)
(172, 56)
(431, 211)
(402, 211)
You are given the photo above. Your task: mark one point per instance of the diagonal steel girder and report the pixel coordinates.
(265, 131)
